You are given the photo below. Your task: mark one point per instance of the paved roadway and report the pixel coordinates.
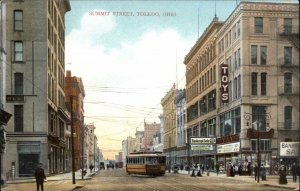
(118, 180)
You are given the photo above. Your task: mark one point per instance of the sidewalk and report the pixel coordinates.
(272, 180)
(67, 185)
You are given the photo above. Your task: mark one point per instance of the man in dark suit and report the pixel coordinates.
(40, 176)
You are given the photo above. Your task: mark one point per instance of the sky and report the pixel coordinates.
(129, 54)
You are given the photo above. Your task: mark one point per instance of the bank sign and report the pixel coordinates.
(289, 149)
(224, 83)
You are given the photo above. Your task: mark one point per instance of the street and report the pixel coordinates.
(117, 179)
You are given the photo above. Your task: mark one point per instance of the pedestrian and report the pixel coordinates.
(255, 171)
(240, 170)
(249, 168)
(193, 171)
(263, 172)
(91, 168)
(232, 170)
(181, 166)
(294, 172)
(202, 168)
(218, 168)
(40, 176)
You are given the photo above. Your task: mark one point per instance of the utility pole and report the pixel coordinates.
(82, 149)
(94, 152)
(169, 154)
(188, 153)
(72, 141)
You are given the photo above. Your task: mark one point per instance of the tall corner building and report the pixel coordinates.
(38, 130)
(243, 87)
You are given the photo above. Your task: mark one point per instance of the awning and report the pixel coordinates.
(4, 117)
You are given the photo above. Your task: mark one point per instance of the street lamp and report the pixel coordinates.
(72, 141)
(261, 118)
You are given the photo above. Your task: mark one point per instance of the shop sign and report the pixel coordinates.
(229, 148)
(290, 149)
(199, 141)
(224, 83)
(202, 147)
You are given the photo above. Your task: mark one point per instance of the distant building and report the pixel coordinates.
(149, 130)
(139, 135)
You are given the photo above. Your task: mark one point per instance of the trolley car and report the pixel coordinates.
(146, 163)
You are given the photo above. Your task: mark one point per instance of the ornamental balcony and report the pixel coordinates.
(254, 134)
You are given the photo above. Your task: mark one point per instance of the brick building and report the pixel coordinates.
(74, 94)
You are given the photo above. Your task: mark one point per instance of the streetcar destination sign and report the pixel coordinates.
(199, 141)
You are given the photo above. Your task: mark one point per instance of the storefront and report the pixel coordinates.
(228, 154)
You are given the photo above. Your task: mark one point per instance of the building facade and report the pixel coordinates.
(169, 115)
(254, 48)
(35, 87)
(201, 92)
(180, 105)
(74, 96)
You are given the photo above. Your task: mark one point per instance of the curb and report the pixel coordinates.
(77, 187)
(278, 186)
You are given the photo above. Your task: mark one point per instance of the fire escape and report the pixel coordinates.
(290, 67)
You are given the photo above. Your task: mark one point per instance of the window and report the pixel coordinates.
(263, 83)
(212, 100)
(288, 83)
(212, 127)
(238, 28)
(235, 88)
(227, 124)
(18, 83)
(265, 144)
(258, 24)
(203, 107)
(235, 60)
(287, 55)
(18, 118)
(239, 57)
(18, 51)
(18, 20)
(239, 86)
(253, 54)
(196, 131)
(52, 122)
(263, 55)
(287, 25)
(259, 118)
(234, 32)
(237, 120)
(288, 111)
(254, 83)
(203, 129)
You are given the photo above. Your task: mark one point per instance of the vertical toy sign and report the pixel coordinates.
(224, 83)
